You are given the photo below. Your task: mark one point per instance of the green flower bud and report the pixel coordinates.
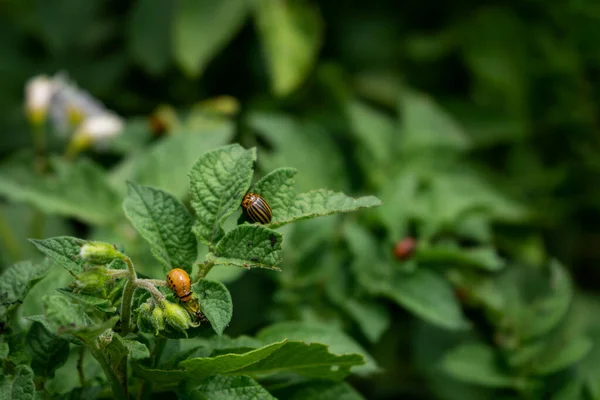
(91, 281)
(158, 319)
(99, 253)
(105, 338)
(176, 316)
(144, 319)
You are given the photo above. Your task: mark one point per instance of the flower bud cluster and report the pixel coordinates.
(164, 318)
(99, 253)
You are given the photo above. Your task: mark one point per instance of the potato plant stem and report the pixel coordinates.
(150, 286)
(205, 269)
(127, 297)
(119, 391)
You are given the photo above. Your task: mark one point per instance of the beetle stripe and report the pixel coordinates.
(263, 208)
(264, 211)
(257, 214)
(257, 208)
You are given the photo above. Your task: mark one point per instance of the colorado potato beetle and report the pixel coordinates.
(179, 281)
(257, 208)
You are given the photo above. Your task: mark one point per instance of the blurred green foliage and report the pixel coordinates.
(476, 123)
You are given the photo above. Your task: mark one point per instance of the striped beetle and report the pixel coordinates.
(257, 208)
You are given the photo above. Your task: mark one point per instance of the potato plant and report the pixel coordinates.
(124, 321)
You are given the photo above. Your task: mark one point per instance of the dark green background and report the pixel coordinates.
(519, 78)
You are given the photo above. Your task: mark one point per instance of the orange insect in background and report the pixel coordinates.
(179, 281)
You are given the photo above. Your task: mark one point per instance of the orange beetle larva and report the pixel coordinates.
(179, 281)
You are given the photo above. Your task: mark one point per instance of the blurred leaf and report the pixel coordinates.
(157, 166)
(221, 387)
(136, 135)
(372, 317)
(546, 312)
(487, 125)
(475, 226)
(215, 303)
(100, 304)
(456, 193)
(571, 391)
(48, 351)
(485, 258)
(476, 363)
(430, 47)
(291, 141)
(78, 189)
(150, 34)
(202, 367)
(4, 350)
(17, 280)
(249, 246)
(398, 197)
(219, 180)
(376, 131)
(312, 360)
(429, 344)
(277, 187)
(497, 56)
(20, 386)
(319, 203)
(202, 28)
(319, 390)
(425, 294)
(16, 221)
(64, 250)
(165, 223)
(290, 34)
(425, 125)
(338, 342)
(563, 357)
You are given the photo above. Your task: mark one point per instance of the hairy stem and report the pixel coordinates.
(155, 282)
(126, 306)
(130, 268)
(205, 269)
(127, 297)
(119, 391)
(117, 273)
(148, 285)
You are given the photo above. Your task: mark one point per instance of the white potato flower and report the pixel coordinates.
(100, 127)
(72, 111)
(71, 105)
(39, 91)
(95, 131)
